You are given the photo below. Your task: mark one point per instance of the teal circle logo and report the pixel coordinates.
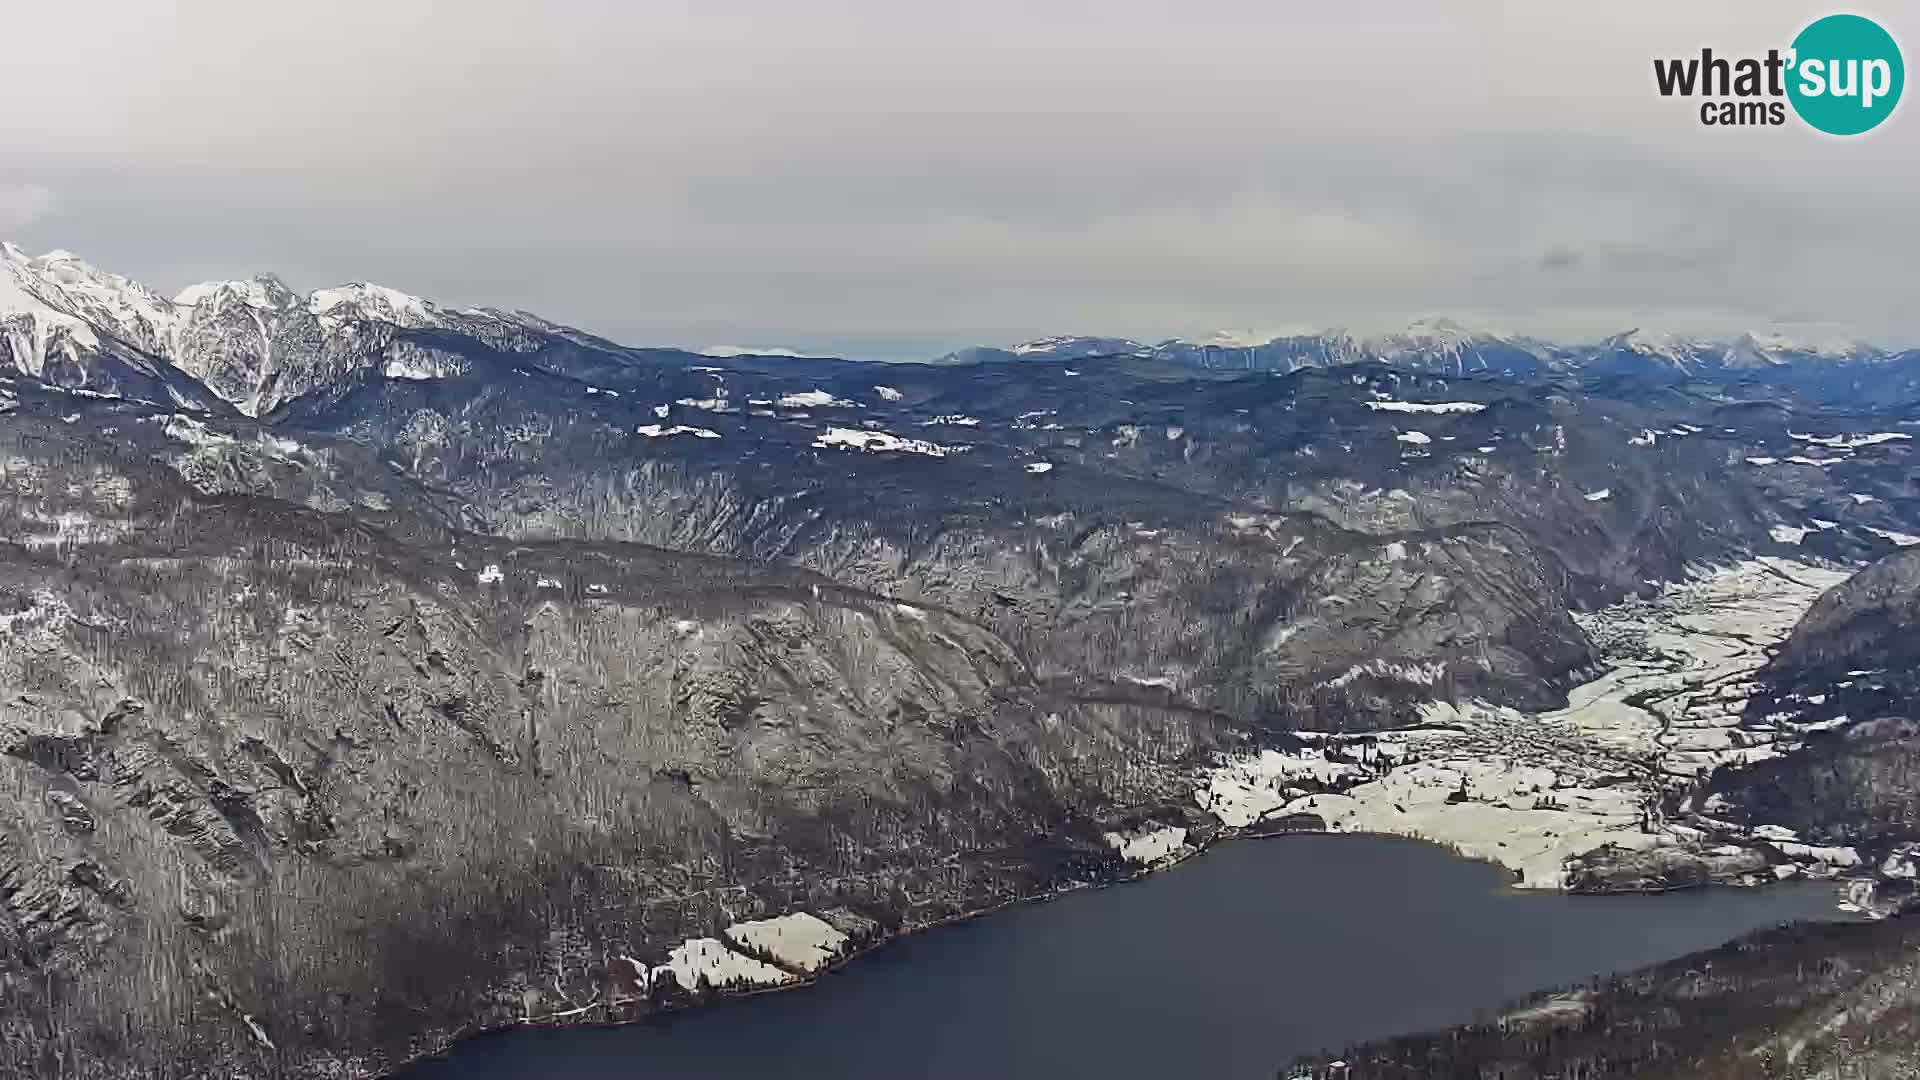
(1846, 74)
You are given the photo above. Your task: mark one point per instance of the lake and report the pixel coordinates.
(1225, 967)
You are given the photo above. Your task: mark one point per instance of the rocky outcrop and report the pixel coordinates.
(1611, 869)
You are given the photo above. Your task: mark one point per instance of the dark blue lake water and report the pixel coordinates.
(1225, 967)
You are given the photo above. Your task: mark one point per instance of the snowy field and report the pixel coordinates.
(1531, 790)
(798, 943)
(1152, 845)
(710, 962)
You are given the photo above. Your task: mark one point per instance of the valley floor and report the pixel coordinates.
(1541, 793)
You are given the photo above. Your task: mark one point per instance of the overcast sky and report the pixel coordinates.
(898, 177)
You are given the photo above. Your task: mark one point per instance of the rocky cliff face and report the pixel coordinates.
(284, 793)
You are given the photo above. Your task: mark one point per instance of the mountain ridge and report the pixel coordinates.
(256, 344)
(1439, 343)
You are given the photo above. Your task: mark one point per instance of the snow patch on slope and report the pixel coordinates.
(657, 431)
(1426, 406)
(881, 442)
(811, 399)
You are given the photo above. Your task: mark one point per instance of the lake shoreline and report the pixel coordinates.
(573, 1018)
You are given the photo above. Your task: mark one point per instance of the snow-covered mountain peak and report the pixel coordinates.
(253, 343)
(1444, 341)
(66, 323)
(31, 330)
(1235, 339)
(1044, 346)
(1439, 332)
(1658, 343)
(1826, 342)
(726, 351)
(109, 302)
(1681, 352)
(360, 299)
(260, 291)
(1077, 346)
(15, 280)
(1437, 327)
(50, 305)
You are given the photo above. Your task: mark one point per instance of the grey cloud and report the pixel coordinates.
(899, 177)
(1559, 259)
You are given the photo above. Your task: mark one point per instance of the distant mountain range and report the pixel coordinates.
(254, 345)
(1446, 347)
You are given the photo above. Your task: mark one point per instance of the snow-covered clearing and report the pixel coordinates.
(1150, 845)
(709, 960)
(798, 943)
(1246, 789)
(797, 940)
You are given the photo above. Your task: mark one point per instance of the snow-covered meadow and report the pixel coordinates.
(798, 941)
(1151, 845)
(798, 944)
